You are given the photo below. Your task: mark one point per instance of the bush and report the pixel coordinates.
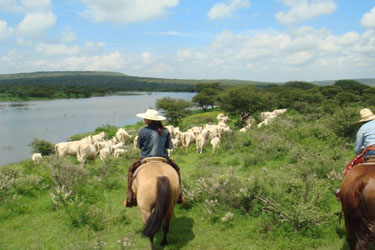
(42, 146)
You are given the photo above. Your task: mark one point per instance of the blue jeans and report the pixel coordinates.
(370, 153)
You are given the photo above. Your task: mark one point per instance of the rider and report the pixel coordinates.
(153, 140)
(364, 147)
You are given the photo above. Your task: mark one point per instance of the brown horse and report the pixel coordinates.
(358, 204)
(156, 186)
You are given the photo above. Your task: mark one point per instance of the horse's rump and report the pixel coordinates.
(358, 204)
(157, 187)
(145, 181)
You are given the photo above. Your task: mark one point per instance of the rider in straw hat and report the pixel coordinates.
(364, 147)
(153, 140)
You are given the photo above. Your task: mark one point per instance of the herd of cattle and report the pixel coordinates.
(91, 146)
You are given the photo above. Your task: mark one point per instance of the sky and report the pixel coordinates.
(259, 40)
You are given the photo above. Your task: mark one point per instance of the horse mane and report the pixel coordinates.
(357, 215)
(162, 206)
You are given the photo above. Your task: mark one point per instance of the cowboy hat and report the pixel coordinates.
(366, 115)
(152, 115)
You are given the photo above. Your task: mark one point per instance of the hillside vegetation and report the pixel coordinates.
(267, 188)
(83, 84)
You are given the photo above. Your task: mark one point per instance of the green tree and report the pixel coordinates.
(299, 85)
(352, 86)
(242, 101)
(42, 146)
(206, 97)
(174, 109)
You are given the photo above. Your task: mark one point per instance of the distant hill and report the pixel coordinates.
(367, 81)
(118, 81)
(111, 79)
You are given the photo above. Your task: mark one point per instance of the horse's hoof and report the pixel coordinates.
(164, 243)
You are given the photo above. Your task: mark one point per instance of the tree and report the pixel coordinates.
(352, 86)
(42, 146)
(206, 98)
(242, 101)
(174, 109)
(300, 85)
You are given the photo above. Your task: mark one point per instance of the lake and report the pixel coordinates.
(56, 120)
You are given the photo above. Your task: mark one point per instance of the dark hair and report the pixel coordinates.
(159, 127)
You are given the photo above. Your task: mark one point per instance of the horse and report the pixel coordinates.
(357, 195)
(156, 186)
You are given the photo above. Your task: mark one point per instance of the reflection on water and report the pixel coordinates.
(56, 120)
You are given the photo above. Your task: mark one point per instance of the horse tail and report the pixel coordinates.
(163, 202)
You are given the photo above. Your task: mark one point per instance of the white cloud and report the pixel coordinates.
(109, 62)
(146, 57)
(4, 30)
(368, 19)
(301, 10)
(226, 9)
(58, 49)
(22, 6)
(305, 54)
(36, 5)
(10, 6)
(68, 36)
(23, 42)
(35, 24)
(126, 12)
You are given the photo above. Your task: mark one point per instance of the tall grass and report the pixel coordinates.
(268, 188)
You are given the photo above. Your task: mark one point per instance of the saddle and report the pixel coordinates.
(149, 160)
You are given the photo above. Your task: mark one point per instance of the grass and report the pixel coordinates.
(268, 188)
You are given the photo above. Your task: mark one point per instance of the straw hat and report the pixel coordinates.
(366, 115)
(152, 115)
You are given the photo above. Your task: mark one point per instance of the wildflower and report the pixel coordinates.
(228, 217)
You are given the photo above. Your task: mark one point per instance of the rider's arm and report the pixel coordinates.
(358, 142)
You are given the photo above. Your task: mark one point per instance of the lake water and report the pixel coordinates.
(57, 120)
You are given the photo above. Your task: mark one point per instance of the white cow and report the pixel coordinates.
(67, 148)
(105, 153)
(200, 140)
(87, 139)
(266, 115)
(118, 145)
(36, 158)
(176, 142)
(196, 130)
(135, 142)
(265, 122)
(85, 152)
(222, 118)
(103, 144)
(118, 152)
(122, 135)
(215, 143)
(243, 130)
(187, 138)
(99, 137)
(210, 133)
(279, 112)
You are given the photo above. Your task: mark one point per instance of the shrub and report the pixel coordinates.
(42, 146)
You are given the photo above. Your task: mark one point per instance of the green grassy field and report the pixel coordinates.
(268, 188)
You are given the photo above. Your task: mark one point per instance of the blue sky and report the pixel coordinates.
(274, 40)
